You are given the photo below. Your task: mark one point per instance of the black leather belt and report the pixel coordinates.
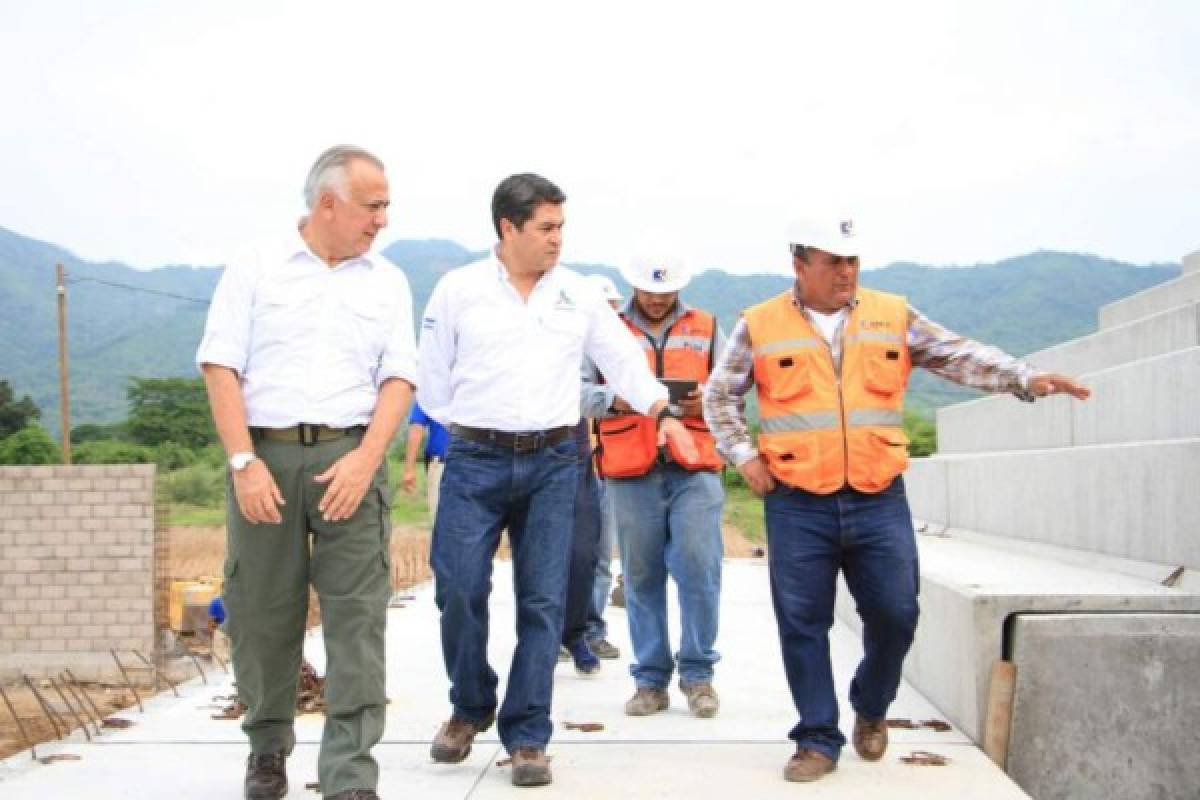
(523, 442)
(305, 434)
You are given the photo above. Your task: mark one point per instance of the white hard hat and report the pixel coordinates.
(607, 288)
(836, 235)
(656, 272)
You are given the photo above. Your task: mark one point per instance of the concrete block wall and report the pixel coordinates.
(80, 555)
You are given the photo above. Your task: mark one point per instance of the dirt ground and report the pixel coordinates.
(199, 552)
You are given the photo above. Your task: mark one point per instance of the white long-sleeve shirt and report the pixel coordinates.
(488, 359)
(310, 343)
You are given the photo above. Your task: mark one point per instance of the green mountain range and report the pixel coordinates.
(124, 322)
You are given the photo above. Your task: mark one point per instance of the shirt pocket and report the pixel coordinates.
(369, 322)
(282, 313)
(788, 375)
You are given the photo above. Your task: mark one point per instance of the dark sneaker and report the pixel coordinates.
(870, 737)
(646, 701)
(586, 663)
(354, 794)
(530, 767)
(604, 649)
(702, 699)
(808, 765)
(266, 776)
(453, 741)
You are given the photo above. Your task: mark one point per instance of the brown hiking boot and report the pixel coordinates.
(808, 765)
(530, 767)
(870, 738)
(646, 701)
(266, 776)
(618, 593)
(603, 648)
(702, 699)
(453, 741)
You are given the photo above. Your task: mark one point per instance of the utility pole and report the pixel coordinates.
(64, 397)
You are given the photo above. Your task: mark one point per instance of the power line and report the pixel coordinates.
(126, 286)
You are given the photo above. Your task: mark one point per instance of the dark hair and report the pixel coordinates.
(518, 195)
(799, 251)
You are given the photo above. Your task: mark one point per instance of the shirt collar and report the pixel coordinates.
(502, 272)
(294, 245)
(630, 311)
(798, 300)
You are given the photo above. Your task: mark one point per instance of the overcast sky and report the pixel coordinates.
(955, 133)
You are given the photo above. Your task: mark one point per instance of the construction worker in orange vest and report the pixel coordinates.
(668, 505)
(830, 363)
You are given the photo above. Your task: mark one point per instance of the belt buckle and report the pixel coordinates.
(309, 434)
(527, 442)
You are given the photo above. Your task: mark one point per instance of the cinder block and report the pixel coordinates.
(54, 592)
(41, 578)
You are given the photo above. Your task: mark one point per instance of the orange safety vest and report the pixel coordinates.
(821, 430)
(629, 442)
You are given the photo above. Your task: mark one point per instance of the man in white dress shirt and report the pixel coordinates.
(501, 344)
(310, 362)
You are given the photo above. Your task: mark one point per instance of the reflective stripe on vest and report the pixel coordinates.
(821, 430)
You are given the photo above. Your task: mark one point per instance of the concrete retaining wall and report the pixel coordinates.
(1147, 400)
(79, 562)
(1181, 291)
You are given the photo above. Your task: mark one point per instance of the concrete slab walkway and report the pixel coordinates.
(176, 750)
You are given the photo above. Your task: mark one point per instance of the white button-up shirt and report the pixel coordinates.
(491, 360)
(310, 343)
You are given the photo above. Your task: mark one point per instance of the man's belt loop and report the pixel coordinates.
(309, 434)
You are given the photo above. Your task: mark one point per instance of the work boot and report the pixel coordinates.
(808, 765)
(453, 741)
(647, 700)
(618, 593)
(603, 648)
(530, 767)
(354, 794)
(563, 653)
(266, 776)
(870, 737)
(586, 663)
(702, 699)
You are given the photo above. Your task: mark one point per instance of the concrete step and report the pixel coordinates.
(1147, 400)
(1181, 291)
(971, 585)
(1137, 500)
(1165, 332)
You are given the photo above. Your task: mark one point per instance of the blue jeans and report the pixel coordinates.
(581, 577)
(597, 628)
(669, 522)
(485, 489)
(870, 538)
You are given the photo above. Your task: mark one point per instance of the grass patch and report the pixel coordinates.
(183, 514)
(744, 511)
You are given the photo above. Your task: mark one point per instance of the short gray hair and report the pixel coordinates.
(329, 171)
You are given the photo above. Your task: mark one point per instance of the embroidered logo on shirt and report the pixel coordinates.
(428, 323)
(564, 303)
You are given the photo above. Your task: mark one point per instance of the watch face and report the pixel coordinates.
(239, 460)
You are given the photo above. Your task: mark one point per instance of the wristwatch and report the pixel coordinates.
(239, 461)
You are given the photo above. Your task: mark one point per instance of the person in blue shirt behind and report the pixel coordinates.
(435, 455)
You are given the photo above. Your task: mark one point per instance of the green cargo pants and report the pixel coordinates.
(267, 572)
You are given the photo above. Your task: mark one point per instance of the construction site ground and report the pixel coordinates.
(176, 749)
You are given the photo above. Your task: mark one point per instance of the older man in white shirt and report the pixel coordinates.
(310, 362)
(501, 344)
